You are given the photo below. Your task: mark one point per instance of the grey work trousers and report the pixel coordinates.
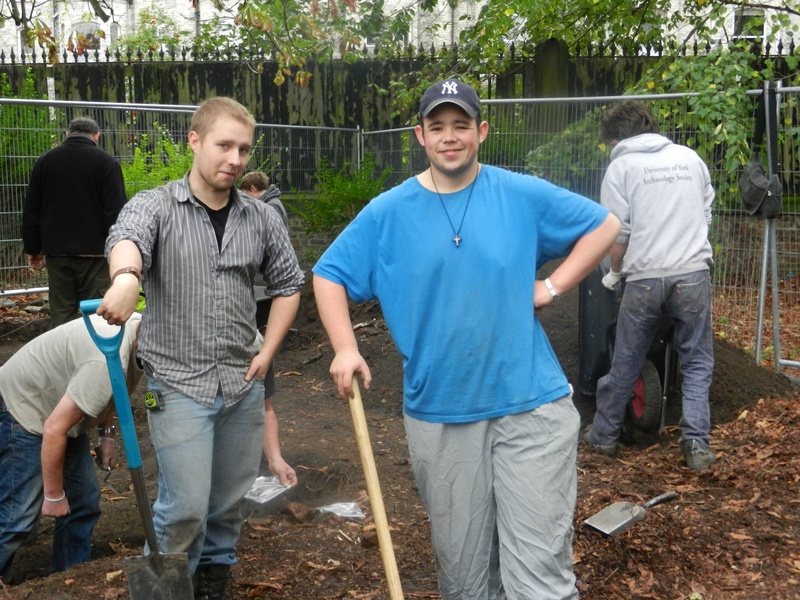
(500, 494)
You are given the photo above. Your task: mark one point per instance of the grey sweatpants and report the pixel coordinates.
(500, 495)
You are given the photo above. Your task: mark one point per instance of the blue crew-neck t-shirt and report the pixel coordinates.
(462, 317)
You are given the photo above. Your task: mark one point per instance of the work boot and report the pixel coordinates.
(606, 449)
(698, 458)
(210, 581)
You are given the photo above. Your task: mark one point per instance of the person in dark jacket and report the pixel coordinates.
(75, 193)
(256, 185)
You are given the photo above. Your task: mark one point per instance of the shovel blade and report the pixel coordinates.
(159, 577)
(616, 518)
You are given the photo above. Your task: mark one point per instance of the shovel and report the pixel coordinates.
(375, 496)
(156, 576)
(621, 515)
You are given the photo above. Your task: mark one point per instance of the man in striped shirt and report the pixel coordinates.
(197, 245)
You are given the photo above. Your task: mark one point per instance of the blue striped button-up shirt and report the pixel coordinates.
(199, 325)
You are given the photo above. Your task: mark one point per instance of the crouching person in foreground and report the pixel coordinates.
(53, 393)
(452, 255)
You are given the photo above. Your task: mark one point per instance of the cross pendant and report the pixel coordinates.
(457, 240)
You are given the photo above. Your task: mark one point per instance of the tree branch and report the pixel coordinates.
(98, 10)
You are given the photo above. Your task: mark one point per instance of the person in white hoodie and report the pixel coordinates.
(662, 194)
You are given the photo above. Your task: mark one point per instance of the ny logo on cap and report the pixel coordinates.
(450, 87)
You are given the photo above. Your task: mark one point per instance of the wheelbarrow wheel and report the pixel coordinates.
(645, 404)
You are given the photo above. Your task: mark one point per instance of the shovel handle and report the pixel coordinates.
(375, 496)
(109, 346)
(661, 499)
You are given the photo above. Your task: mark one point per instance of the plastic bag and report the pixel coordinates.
(265, 489)
(347, 510)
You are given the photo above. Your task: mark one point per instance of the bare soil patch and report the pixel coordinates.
(732, 533)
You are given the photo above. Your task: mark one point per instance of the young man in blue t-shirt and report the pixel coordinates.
(452, 256)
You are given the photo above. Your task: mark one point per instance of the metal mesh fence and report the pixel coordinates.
(553, 138)
(558, 139)
(150, 142)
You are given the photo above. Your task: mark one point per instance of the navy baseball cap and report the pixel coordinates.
(450, 91)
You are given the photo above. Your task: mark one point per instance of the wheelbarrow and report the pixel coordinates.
(155, 576)
(597, 315)
(647, 407)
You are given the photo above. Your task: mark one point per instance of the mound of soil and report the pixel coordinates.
(732, 533)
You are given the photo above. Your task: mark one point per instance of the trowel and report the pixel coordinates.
(621, 515)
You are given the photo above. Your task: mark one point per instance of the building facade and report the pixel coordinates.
(71, 20)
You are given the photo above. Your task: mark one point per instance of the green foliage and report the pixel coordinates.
(721, 108)
(296, 31)
(791, 204)
(23, 131)
(342, 194)
(26, 132)
(717, 122)
(157, 159)
(155, 31)
(629, 28)
(573, 159)
(715, 118)
(293, 31)
(221, 34)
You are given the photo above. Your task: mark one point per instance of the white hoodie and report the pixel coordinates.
(662, 193)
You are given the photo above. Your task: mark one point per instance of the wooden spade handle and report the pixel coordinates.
(375, 496)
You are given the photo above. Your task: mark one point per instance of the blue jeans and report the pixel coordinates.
(687, 299)
(22, 492)
(207, 460)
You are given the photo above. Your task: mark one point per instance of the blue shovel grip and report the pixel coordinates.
(110, 346)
